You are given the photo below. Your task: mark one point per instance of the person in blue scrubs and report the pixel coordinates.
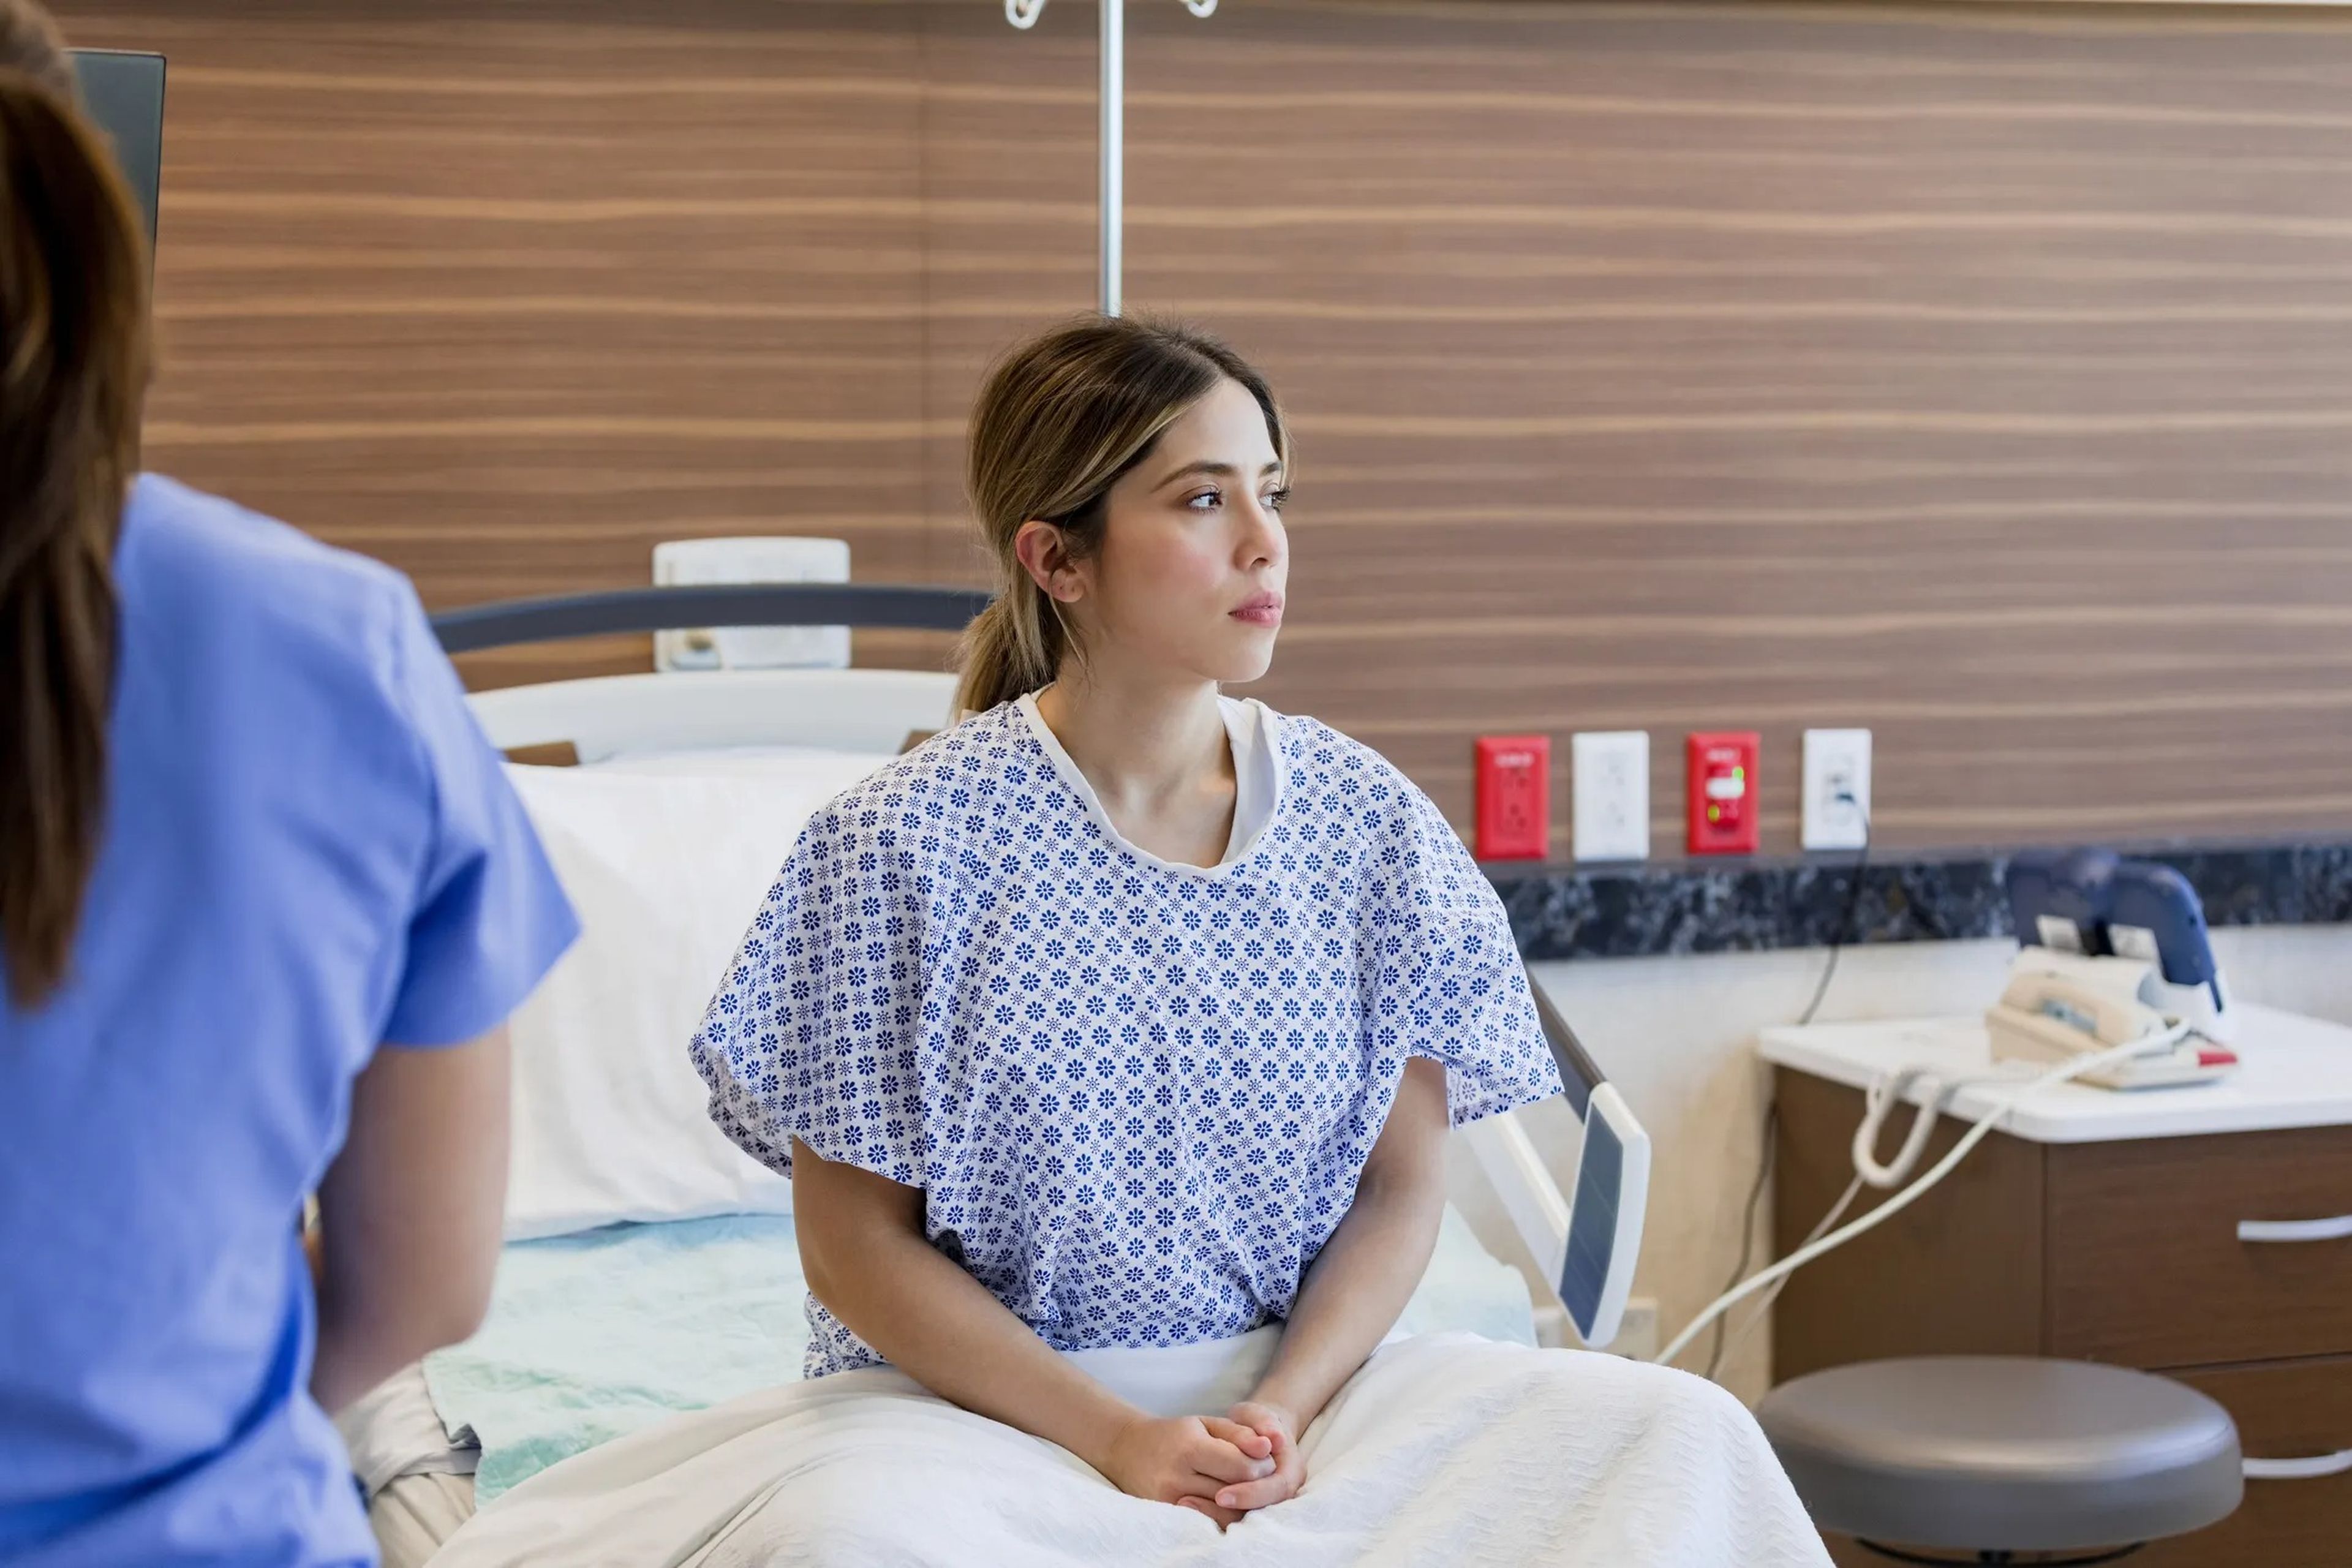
(265, 901)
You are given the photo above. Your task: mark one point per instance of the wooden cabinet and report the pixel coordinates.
(2146, 1268)
(2283, 1408)
(2126, 1252)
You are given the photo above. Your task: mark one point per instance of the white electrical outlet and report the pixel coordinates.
(1610, 786)
(1837, 789)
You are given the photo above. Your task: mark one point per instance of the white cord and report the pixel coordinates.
(1882, 1096)
(2072, 1066)
(1764, 1308)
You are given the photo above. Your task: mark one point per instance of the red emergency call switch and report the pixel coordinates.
(1722, 790)
(1514, 797)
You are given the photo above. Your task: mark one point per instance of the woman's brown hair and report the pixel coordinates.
(1060, 420)
(73, 371)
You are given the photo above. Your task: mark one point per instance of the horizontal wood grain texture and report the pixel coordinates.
(1961, 1272)
(2144, 1264)
(2284, 1410)
(1980, 374)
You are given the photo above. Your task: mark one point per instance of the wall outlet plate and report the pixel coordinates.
(1514, 797)
(1720, 792)
(1611, 789)
(1837, 766)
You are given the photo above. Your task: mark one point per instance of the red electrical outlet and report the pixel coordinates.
(1721, 786)
(1514, 797)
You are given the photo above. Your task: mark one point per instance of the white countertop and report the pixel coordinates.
(2294, 1072)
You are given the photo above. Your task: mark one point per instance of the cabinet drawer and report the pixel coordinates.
(2145, 1265)
(2283, 1410)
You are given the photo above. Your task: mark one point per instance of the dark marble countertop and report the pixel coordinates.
(1752, 903)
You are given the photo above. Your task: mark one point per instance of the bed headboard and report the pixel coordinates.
(603, 716)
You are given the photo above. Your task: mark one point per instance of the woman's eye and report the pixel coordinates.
(1274, 500)
(1207, 501)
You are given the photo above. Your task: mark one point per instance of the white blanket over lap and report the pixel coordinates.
(1444, 1449)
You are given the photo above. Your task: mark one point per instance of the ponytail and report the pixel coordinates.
(1012, 648)
(73, 371)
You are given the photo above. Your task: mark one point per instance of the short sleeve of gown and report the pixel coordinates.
(816, 1028)
(1446, 979)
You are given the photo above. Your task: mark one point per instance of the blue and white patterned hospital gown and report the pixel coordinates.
(1136, 1096)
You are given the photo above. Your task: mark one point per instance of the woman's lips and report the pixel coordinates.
(1263, 610)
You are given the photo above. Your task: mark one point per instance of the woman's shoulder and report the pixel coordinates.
(1325, 769)
(932, 799)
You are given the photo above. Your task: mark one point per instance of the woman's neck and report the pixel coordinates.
(1156, 756)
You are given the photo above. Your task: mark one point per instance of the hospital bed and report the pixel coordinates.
(651, 1269)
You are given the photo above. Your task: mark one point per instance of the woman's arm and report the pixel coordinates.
(1358, 1284)
(864, 1249)
(410, 1213)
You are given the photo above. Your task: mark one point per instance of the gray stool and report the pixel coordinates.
(1996, 1455)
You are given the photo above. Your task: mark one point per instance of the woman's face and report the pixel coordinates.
(1190, 577)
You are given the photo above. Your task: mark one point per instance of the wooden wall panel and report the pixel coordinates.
(1980, 374)
(1977, 375)
(507, 294)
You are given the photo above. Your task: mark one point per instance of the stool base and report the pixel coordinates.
(2041, 1559)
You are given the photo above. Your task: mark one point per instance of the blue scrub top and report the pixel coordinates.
(309, 849)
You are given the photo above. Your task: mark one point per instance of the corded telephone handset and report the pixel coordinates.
(2058, 1006)
(2134, 1001)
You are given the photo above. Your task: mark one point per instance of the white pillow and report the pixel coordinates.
(666, 870)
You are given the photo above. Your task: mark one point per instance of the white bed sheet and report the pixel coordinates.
(592, 1337)
(1444, 1449)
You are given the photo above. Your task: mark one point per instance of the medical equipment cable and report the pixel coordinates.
(1879, 1098)
(1848, 929)
(1766, 1142)
(2071, 1067)
(1763, 1309)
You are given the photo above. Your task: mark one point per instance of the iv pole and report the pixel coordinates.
(1110, 135)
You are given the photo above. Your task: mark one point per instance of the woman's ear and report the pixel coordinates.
(1045, 555)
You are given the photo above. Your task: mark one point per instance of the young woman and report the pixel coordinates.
(1124, 1014)
(248, 833)
(1111, 1039)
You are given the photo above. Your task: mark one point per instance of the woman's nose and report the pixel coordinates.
(1263, 543)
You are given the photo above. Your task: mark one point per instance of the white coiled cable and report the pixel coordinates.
(2072, 1066)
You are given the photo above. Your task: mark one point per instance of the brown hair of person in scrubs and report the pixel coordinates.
(73, 285)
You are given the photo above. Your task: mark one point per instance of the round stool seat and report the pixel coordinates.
(2003, 1453)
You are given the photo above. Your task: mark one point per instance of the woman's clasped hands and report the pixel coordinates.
(1220, 1466)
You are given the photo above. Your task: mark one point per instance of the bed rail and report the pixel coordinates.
(624, 610)
(1586, 1242)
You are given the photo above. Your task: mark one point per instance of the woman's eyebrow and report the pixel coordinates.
(1207, 469)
